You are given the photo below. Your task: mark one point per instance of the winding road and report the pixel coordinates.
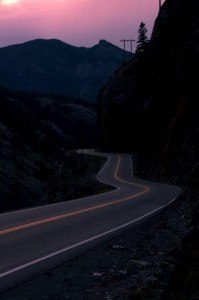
(37, 239)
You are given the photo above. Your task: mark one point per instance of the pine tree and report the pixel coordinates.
(142, 39)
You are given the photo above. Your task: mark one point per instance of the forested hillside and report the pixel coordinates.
(36, 131)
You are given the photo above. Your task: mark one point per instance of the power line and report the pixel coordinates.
(124, 41)
(131, 41)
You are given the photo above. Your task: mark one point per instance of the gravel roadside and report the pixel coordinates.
(135, 265)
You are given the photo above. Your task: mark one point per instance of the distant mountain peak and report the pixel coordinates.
(105, 43)
(48, 42)
(53, 66)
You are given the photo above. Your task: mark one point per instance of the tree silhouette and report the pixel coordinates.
(142, 39)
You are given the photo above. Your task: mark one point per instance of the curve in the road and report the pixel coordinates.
(146, 189)
(116, 208)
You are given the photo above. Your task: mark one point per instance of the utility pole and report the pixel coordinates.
(131, 41)
(124, 41)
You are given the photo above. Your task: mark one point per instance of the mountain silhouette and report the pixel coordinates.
(52, 66)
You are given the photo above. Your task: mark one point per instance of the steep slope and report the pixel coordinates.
(51, 66)
(150, 106)
(35, 134)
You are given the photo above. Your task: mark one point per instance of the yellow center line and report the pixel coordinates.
(82, 211)
(146, 188)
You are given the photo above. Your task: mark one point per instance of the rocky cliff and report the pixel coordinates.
(149, 107)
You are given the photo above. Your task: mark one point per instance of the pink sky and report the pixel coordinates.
(77, 22)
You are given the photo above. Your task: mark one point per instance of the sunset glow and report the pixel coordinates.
(8, 2)
(77, 22)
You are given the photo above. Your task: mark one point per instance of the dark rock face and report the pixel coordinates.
(150, 106)
(51, 66)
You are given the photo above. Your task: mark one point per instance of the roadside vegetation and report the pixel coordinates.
(76, 177)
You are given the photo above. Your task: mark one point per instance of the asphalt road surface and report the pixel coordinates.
(37, 239)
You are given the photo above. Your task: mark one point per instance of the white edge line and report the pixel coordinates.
(88, 197)
(92, 238)
(73, 200)
(84, 242)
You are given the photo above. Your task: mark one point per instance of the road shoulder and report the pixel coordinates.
(135, 265)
